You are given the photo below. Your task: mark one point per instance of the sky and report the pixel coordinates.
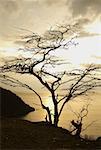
(22, 17)
(39, 15)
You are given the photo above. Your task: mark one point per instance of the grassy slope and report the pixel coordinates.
(21, 134)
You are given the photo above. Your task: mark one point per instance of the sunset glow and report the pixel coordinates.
(95, 28)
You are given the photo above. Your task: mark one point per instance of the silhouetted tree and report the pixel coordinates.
(78, 123)
(42, 63)
(78, 127)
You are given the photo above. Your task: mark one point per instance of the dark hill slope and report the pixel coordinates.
(22, 134)
(11, 105)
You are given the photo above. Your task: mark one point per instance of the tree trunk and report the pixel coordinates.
(56, 117)
(49, 115)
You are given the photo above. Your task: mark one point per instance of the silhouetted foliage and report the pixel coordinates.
(78, 127)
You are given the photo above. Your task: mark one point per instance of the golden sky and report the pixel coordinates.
(40, 15)
(20, 17)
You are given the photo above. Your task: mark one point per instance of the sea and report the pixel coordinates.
(91, 123)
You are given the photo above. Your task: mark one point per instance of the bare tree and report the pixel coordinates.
(42, 64)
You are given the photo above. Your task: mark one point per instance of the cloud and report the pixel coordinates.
(96, 57)
(92, 8)
(8, 6)
(81, 26)
(40, 15)
(93, 65)
(85, 12)
(54, 2)
(36, 15)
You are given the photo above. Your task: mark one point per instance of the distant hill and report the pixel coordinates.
(11, 105)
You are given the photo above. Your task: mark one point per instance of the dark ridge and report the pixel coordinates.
(11, 105)
(24, 135)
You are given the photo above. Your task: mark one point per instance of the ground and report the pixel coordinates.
(22, 134)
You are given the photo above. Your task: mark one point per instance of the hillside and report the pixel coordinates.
(11, 105)
(22, 134)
